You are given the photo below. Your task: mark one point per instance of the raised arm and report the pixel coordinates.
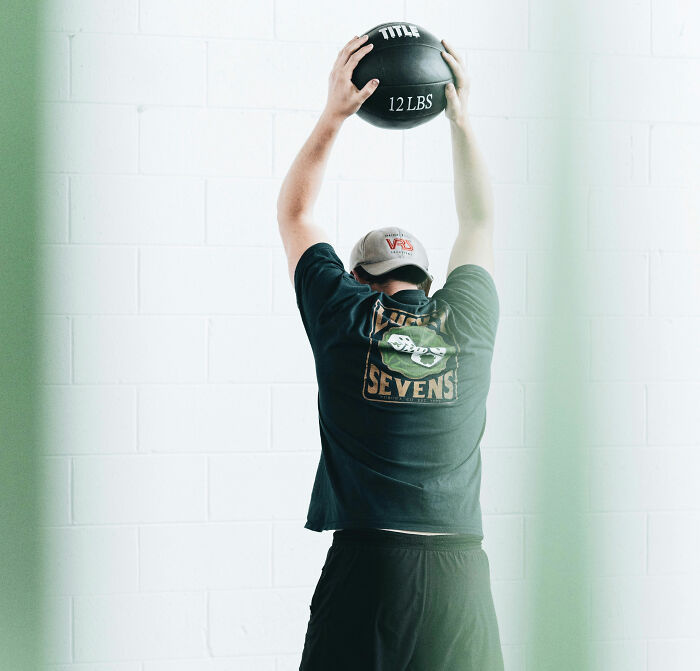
(473, 193)
(302, 183)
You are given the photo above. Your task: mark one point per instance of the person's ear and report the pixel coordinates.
(357, 277)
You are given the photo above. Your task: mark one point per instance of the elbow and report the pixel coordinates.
(285, 214)
(292, 217)
(483, 220)
(286, 211)
(477, 215)
(291, 212)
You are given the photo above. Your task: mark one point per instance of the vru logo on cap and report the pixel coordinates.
(384, 249)
(404, 243)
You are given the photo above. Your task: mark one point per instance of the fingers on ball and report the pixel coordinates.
(455, 66)
(458, 72)
(452, 59)
(452, 51)
(352, 44)
(355, 58)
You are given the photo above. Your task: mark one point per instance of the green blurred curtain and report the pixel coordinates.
(21, 644)
(559, 600)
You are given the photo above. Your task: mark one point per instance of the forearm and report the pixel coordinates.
(303, 181)
(473, 192)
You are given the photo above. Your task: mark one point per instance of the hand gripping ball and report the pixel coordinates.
(412, 76)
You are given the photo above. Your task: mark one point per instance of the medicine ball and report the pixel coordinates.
(412, 76)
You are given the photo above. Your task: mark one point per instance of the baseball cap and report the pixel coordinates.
(384, 249)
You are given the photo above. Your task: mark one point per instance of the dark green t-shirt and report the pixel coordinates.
(402, 387)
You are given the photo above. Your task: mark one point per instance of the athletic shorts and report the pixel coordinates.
(390, 601)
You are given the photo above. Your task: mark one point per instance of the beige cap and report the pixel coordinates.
(384, 249)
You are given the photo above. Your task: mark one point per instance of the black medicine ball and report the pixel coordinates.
(412, 76)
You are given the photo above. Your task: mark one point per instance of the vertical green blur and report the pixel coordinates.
(21, 644)
(559, 580)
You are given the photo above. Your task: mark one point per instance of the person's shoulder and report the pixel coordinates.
(468, 270)
(468, 279)
(471, 294)
(318, 250)
(320, 256)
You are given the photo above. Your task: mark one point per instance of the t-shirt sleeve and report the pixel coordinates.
(471, 293)
(324, 290)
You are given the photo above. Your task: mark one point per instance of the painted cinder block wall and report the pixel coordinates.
(181, 429)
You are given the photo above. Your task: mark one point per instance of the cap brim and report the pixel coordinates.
(382, 267)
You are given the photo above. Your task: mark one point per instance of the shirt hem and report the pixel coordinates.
(384, 524)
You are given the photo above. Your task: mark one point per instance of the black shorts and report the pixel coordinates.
(390, 601)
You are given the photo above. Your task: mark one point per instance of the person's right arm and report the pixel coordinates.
(473, 193)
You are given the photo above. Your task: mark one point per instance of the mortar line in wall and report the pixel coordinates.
(589, 197)
(206, 73)
(71, 349)
(646, 554)
(207, 622)
(71, 632)
(206, 489)
(527, 50)
(590, 349)
(139, 109)
(274, 19)
(524, 561)
(588, 467)
(138, 280)
(206, 212)
(125, 525)
(70, 67)
(525, 291)
(207, 337)
(590, 608)
(224, 521)
(590, 88)
(529, 23)
(70, 232)
(646, 415)
(71, 467)
(649, 183)
(137, 436)
(376, 180)
(526, 123)
(201, 383)
(522, 422)
(648, 255)
(272, 555)
(139, 586)
(271, 422)
(646, 650)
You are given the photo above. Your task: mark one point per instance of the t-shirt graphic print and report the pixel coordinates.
(411, 358)
(403, 380)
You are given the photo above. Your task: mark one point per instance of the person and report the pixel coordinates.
(402, 384)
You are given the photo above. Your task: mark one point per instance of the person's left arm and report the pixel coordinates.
(302, 184)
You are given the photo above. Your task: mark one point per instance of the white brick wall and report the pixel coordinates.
(179, 463)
